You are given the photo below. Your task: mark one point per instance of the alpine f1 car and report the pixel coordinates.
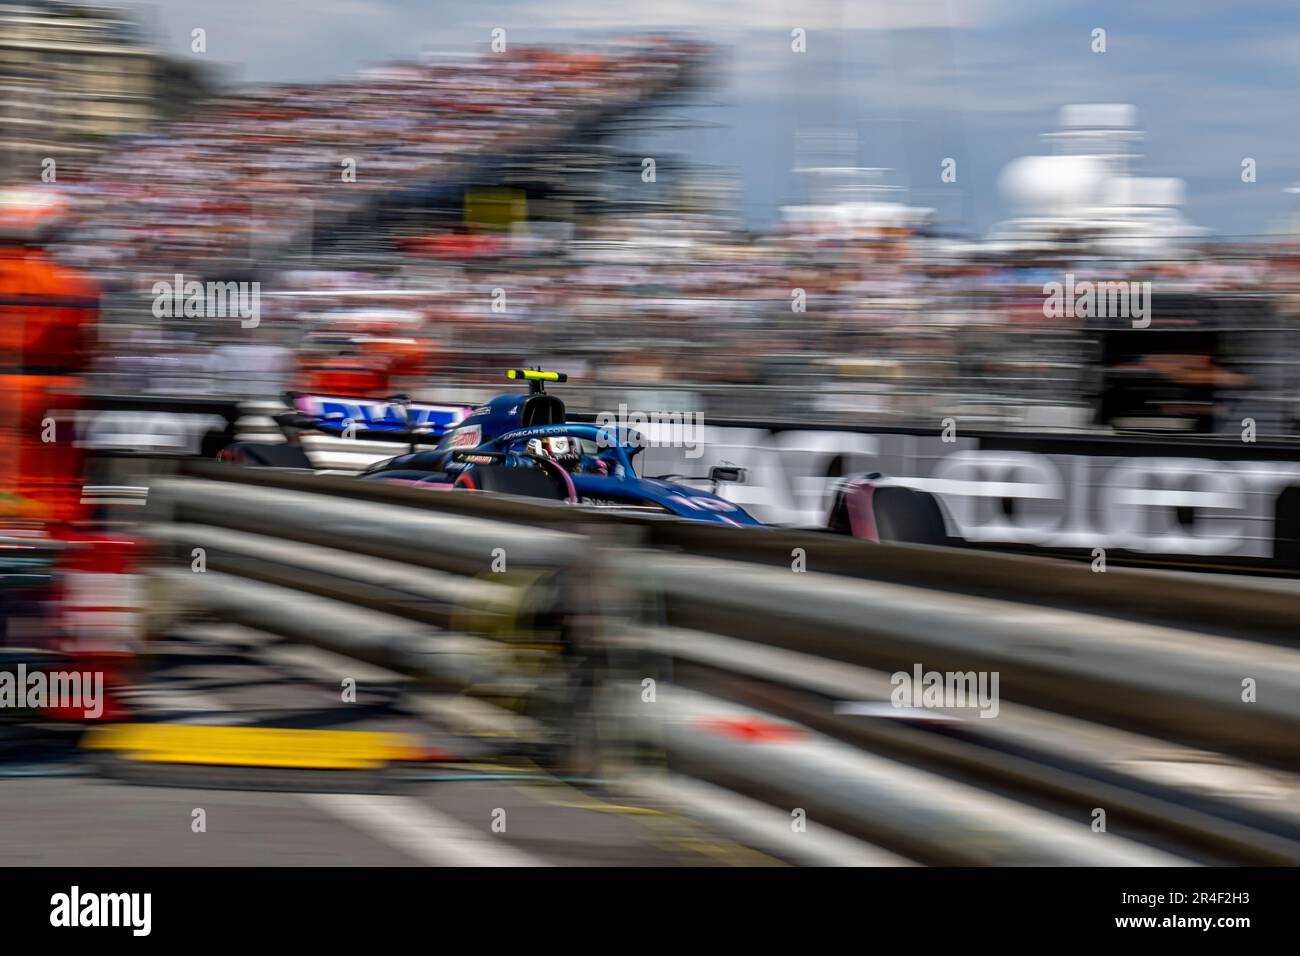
(526, 445)
(521, 445)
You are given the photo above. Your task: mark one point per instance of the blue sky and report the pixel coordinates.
(914, 80)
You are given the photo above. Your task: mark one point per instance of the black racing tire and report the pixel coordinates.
(908, 516)
(526, 482)
(837, 522)
(263, 455)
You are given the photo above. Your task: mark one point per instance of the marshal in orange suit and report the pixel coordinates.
(47, 315)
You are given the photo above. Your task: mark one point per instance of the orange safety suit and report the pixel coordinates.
(47, 315)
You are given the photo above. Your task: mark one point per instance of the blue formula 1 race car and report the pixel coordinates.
(524, 445)
(514, 444)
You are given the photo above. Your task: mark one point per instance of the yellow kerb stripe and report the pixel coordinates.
(253, 746)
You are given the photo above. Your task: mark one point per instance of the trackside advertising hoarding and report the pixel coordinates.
(1212, 502)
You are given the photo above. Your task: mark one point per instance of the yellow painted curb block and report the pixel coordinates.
(253, 746)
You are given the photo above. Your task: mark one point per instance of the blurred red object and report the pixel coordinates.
(453, 245)
(345, 375)
(100, 616)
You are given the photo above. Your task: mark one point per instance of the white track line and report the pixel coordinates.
(420, 831)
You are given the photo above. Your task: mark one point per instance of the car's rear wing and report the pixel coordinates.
(383, 419)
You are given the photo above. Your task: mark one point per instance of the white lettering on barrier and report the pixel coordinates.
(131, 430)
(1146, 503)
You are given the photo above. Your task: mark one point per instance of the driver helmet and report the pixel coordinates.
(559, 447)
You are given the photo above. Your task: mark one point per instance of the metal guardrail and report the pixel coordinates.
(1042, 756)
(1117, 671)
(1244, 607)
(407, 589)
(1104, 679)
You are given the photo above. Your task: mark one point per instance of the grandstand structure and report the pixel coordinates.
(74, 75)
(562, 178)
(251, 180)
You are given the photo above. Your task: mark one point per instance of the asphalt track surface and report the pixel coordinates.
(58, 808)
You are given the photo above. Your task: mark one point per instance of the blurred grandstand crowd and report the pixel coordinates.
(672, 304)
(258, 166)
